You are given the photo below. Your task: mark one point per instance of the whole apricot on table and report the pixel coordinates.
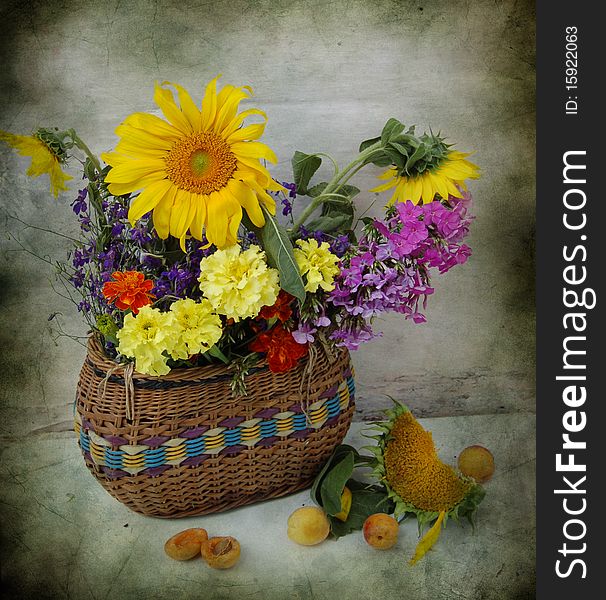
(308, 526)
(221, 552)
(345, 505)
(381, 531)
(476, 462)
(186, 544)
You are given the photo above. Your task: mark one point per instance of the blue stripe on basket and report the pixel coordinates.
(227, 442)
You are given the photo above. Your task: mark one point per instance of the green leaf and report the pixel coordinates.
(368, 143)
(393, 128)
(278, 247)
(304, 166)
(337, 214)
(338, 453)
(366, 500)
(417, 155)
(332, 486)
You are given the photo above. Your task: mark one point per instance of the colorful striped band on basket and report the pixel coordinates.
(198, 444)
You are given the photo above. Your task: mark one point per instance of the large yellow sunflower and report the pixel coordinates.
(198, 169)
(44, 160)
(447, 179)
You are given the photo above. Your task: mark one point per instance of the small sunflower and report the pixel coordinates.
(44, 158)
(417, 480)
(198, 169)
(446, 178)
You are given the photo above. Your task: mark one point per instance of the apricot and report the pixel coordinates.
(186, 544)
(345, 505)
(308, 526)
(221, 552)
(476, 462)
(380, 531)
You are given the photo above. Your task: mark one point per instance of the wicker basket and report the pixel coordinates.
(183, 446)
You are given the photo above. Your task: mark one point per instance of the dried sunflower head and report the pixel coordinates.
(417, 480)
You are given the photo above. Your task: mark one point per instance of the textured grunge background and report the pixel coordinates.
(328, 74)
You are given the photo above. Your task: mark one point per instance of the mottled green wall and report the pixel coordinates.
(328, 74)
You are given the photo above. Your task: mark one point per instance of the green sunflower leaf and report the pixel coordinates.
(279, 250)
(332, 486)
(304, 166)
(393, 128)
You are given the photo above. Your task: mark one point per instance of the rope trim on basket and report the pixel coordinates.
(161, 384)
(195, 446)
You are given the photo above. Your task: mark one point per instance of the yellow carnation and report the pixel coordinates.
(238, 283)
(200, 328)
(318, 265)
(147, 337)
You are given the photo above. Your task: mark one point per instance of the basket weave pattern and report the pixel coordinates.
(190, 448)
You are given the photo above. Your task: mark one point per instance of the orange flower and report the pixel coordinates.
(280, 308)
(283, 352)
(130, 290)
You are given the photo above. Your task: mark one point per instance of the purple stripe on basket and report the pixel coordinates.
(194, 461)
(330, 392)
(302, 433)
(113, 473)
(296, 408)
(332, 421)
(233, 422)
(268, 441)
(86, 424)
(232, 450)
(267, 413)
(155, 441)
(347, 373)
(154, 471)
(114, 440)
(194, 432)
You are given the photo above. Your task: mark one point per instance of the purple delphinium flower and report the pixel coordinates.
(79, 205)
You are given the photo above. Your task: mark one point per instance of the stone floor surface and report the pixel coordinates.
(65, 537)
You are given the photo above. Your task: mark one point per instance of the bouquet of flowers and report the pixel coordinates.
(191, 252)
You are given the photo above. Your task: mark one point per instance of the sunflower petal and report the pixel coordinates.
(139, 137)
(134, 170)
(251, 132)
(248, 200)
(209, 104)
(148, 199)
(256, 150)
(165, 100)
(216, 224)
(153, 125)
(162, 212)
(239, 119)
(121, 189)
(229, 108)
(428, 191)
(385, 186)
(428, 540)
(180, 213)
(197, 225)
(188, 106)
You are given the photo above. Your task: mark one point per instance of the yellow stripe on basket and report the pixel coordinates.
(250, 433)
(319, 417)
(133, 464)
(216, 443)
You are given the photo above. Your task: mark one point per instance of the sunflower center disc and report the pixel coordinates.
(201, 163)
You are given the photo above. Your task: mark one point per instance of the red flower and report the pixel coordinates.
(130, 290)
(280, 308)
(283, 352)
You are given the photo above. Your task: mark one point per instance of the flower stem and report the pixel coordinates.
(80, 144)
(333, 186)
